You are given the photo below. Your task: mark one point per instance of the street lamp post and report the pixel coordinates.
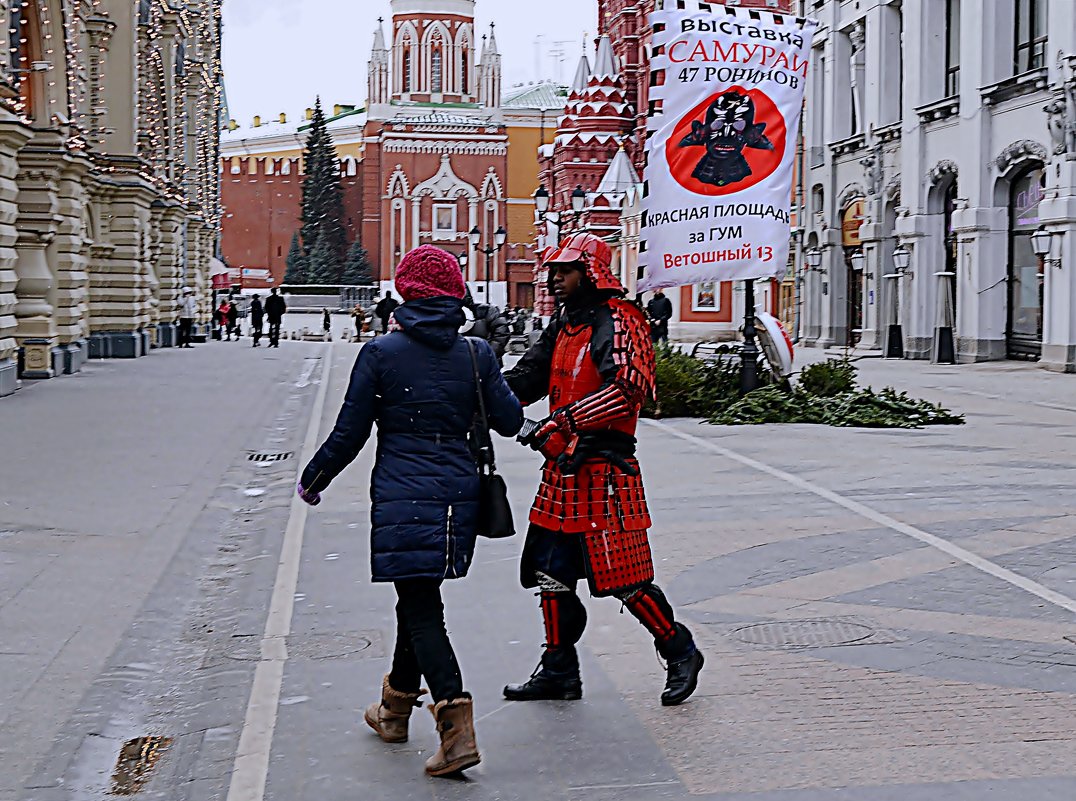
(894, 346)
(500, 237)
(749, 368)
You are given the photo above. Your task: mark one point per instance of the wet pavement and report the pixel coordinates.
(886, 615)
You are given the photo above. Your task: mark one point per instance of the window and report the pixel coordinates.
(435, 69)
(952, 47)
(444, 222)
(706, 297)
(407, 69)
(1030, 52)
(465, 75)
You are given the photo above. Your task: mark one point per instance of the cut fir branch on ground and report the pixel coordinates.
(825, 394)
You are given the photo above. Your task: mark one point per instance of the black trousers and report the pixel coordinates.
(274, 334)
(422, 645)
(186, 325)
(257, 333)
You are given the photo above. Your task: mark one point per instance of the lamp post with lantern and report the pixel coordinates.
(500, 237)
(894, 345)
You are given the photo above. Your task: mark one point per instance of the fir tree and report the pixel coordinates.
(296, 271)
(324, 263)
(357, 269)
(323, 202)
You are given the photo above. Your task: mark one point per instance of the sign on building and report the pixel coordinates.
(725, 105)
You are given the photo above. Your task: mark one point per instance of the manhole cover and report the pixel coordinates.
(247, 648)
(804, 633)
(270, 457)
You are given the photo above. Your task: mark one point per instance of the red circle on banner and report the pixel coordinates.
(722, 165)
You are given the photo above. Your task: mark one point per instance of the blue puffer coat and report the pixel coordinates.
(418, 386)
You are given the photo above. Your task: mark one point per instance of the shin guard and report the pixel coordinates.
(651, 608)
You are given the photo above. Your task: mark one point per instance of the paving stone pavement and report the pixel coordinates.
(847, 660)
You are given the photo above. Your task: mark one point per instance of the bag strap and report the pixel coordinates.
(486, 442)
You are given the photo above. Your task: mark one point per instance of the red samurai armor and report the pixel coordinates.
(596, 363)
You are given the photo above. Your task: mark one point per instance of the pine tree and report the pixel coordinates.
(296, 271)
(357, 269)
(323, 202)
(324, 264)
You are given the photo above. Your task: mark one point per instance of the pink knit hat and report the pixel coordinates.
(429, 272)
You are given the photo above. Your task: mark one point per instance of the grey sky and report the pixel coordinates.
(279, 54)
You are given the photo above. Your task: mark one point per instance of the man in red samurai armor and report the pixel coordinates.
(595, 361)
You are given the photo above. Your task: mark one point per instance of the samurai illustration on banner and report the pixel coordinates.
(726, 98)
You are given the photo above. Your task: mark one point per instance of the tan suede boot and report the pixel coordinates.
(455, 724)
(389, 717)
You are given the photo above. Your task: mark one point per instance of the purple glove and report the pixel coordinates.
(312, 498)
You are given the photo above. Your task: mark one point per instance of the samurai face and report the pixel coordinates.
(729, 122)
(728, 129)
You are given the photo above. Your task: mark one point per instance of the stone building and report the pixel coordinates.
(944, 131)
(109, 187)
(439, 149)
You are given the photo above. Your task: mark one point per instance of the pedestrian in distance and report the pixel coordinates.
(384, 309)
(489, 324)
(188, 310)
(595, 361)
(257, 320)
(222, 318)
(359, 316)
(660, 311)
(275, 307)
(326, 321)
(418, 386)
(233, 320)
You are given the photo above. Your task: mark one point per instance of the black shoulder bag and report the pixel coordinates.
(494, 510)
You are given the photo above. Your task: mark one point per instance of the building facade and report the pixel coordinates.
(109, 192)
(438, 150)
(943, 131)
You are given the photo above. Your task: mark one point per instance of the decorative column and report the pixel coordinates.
(168, 222)
(36, 291)
(13, 135)
(69, 253)
(1057, 211)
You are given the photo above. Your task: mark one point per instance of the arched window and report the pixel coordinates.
(406, 69)
(436, 72)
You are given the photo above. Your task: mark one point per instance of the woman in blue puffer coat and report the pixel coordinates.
(417, 384)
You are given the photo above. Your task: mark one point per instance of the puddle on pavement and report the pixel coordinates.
(136, 762)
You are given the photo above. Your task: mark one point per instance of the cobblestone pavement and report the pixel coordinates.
(886, 615)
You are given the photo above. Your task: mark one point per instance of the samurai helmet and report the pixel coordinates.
(594, 254)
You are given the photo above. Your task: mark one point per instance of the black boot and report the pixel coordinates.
(685, 662)
(555, 679)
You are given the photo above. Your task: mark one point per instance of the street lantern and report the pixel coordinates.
(463, 261)
(579, 200)
(814, 258)
(902, 259)
(859, 261)
(1040, 242)
(500, 237)
(541, 200)
(475, 237)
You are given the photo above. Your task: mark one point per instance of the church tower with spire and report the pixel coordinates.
(489, 88)
(378, 88)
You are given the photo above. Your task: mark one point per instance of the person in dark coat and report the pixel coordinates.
(257, 320)
(385, 307)
(417, 384)
(490, 324)
(274, 313)
(660, 311)
(232, 319)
